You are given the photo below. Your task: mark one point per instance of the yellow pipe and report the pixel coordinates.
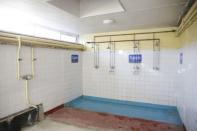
(27, 81)
(19, 75)
(18, 58)
(27, 95)
(10, 38)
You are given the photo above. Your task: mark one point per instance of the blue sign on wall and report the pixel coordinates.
(74, 58)
(181, 58)
(135, 58)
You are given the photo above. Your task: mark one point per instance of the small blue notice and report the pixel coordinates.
(135, 58)
(181, 58)
(74, 58)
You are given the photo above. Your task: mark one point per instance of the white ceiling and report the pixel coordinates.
(138, 14)
(87, 8)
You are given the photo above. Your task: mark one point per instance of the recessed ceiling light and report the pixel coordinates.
(108, 21)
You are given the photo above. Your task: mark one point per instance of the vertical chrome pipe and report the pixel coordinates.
(96, 54)
(112, 55)
(114, 62)
(156, 54)
(97, 51)
(136, 50)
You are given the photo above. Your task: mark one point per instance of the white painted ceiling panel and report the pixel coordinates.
(99, 7)
(138, 14)
(138, 17)
(70, 6)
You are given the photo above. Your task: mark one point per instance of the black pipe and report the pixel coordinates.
(142, 33)
(124, 41)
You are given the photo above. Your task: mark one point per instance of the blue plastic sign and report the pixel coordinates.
(181, 58)
(135, 58)
(74, 58)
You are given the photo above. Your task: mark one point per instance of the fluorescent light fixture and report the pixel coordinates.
(108, 21)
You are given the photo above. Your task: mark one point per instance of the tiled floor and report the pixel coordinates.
(160, 113)
(105, 122)
(91, 113)
(50, 125)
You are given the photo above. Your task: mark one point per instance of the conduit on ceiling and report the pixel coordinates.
(12, 39)
(188, 19)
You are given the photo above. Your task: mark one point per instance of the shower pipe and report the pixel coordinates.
(12, 39)
(29, 103)
(112, 50)
(136, 50)
(19, 72)
(140, 33)
(18, 58)
(96, 52)
(134, 34)
(156, 54)
(96, 46)
(33, 59)
(117, 41)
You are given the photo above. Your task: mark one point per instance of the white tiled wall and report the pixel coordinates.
(148, 86)
(187, 79)
(187, 92)
(56, 81)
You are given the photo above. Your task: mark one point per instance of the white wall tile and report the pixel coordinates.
(147, 86)
(186, 84)
(56, 79)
